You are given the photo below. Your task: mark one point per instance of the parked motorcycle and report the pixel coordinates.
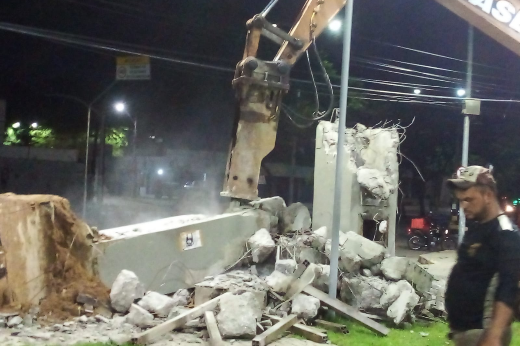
(429, 234)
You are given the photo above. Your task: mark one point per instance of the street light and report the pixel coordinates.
(160, 172)
(461, 92)
(335, 25)
(16, 125)
(34, 125)
(120, 107)
(417, 91)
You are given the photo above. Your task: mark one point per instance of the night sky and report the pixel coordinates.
(193, 107)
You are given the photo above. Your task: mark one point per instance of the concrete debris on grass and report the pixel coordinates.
(394, 268)
(238, 316)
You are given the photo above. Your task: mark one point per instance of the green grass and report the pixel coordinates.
(359, 335)
(437, 335)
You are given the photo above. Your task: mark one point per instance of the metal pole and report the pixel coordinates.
(465, 139)
(85, 182)
(336, 214)
(136, 193)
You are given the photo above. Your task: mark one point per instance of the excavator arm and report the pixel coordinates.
(260, 86)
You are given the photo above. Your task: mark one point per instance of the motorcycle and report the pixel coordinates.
(430, 234)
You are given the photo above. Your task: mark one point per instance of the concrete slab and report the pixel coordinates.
(175, 256)
(439, 267)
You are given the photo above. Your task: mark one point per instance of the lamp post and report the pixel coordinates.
(120, 107)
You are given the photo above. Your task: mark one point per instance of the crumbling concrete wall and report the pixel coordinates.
(370, 165)
(178, 253)
(42, 239)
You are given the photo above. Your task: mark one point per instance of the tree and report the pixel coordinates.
(38, 136)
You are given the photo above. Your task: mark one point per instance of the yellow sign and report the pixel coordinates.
(133, 68)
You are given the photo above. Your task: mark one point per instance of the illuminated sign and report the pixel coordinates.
(500, 19)
(502, 10)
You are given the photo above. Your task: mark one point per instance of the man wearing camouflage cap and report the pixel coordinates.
(483, 286)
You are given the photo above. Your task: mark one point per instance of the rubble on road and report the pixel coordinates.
(262, 245)
(125, 290)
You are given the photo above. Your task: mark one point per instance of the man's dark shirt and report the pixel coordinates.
(488, 248)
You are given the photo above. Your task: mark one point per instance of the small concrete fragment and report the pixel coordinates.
(181, 297)
(286, 266)
(371, 253)
(349, 261)
(14, 321)
(362, 292)
(320, 237)
(296, 218)
(278, 282)
(321, 281)
(139, 317)
(237, 317)
(394, 268)
(274, 205)
(367, 272)
(394, 290)
(305, 306)
(125, 290)
(262, 245)
(157, 303)
(402, 306)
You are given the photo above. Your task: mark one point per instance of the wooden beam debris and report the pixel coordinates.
(347, 310)
(340, 328)
(275, 331)
(215, 339)
(308, 332)
(153, 334)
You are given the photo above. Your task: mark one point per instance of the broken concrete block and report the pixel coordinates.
(286, 266)
(157, 303)
(394, 268)
(237, 317)
(181, 297)
(321, 280)
(296, 217)
(349, 261)
(14, 321)
(366, 272)
(362, 292)
(371, 253)
(278, 282)
(305, 306)
(320, 237)
(264, 219)
(139, 317)
(394, 290)
(125, 290)
(262, 245)
(376, 269)
(403, 305)
(274, 205)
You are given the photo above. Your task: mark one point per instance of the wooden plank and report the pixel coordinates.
(347, 310)
(275, 331)
(308, 332)
(153, 334)
(298, 285)
(215, 339)
(340, 328)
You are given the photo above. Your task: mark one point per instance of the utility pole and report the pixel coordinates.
(465, 138)
(336, 213)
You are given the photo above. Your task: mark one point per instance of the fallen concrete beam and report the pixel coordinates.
(156, 332)
(340, 328)
(308, 332)
(173, 253)
(275, 331)
(297, 286)
(346, 310)
(215, 339)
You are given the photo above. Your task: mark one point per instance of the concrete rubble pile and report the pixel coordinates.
(277, 287)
